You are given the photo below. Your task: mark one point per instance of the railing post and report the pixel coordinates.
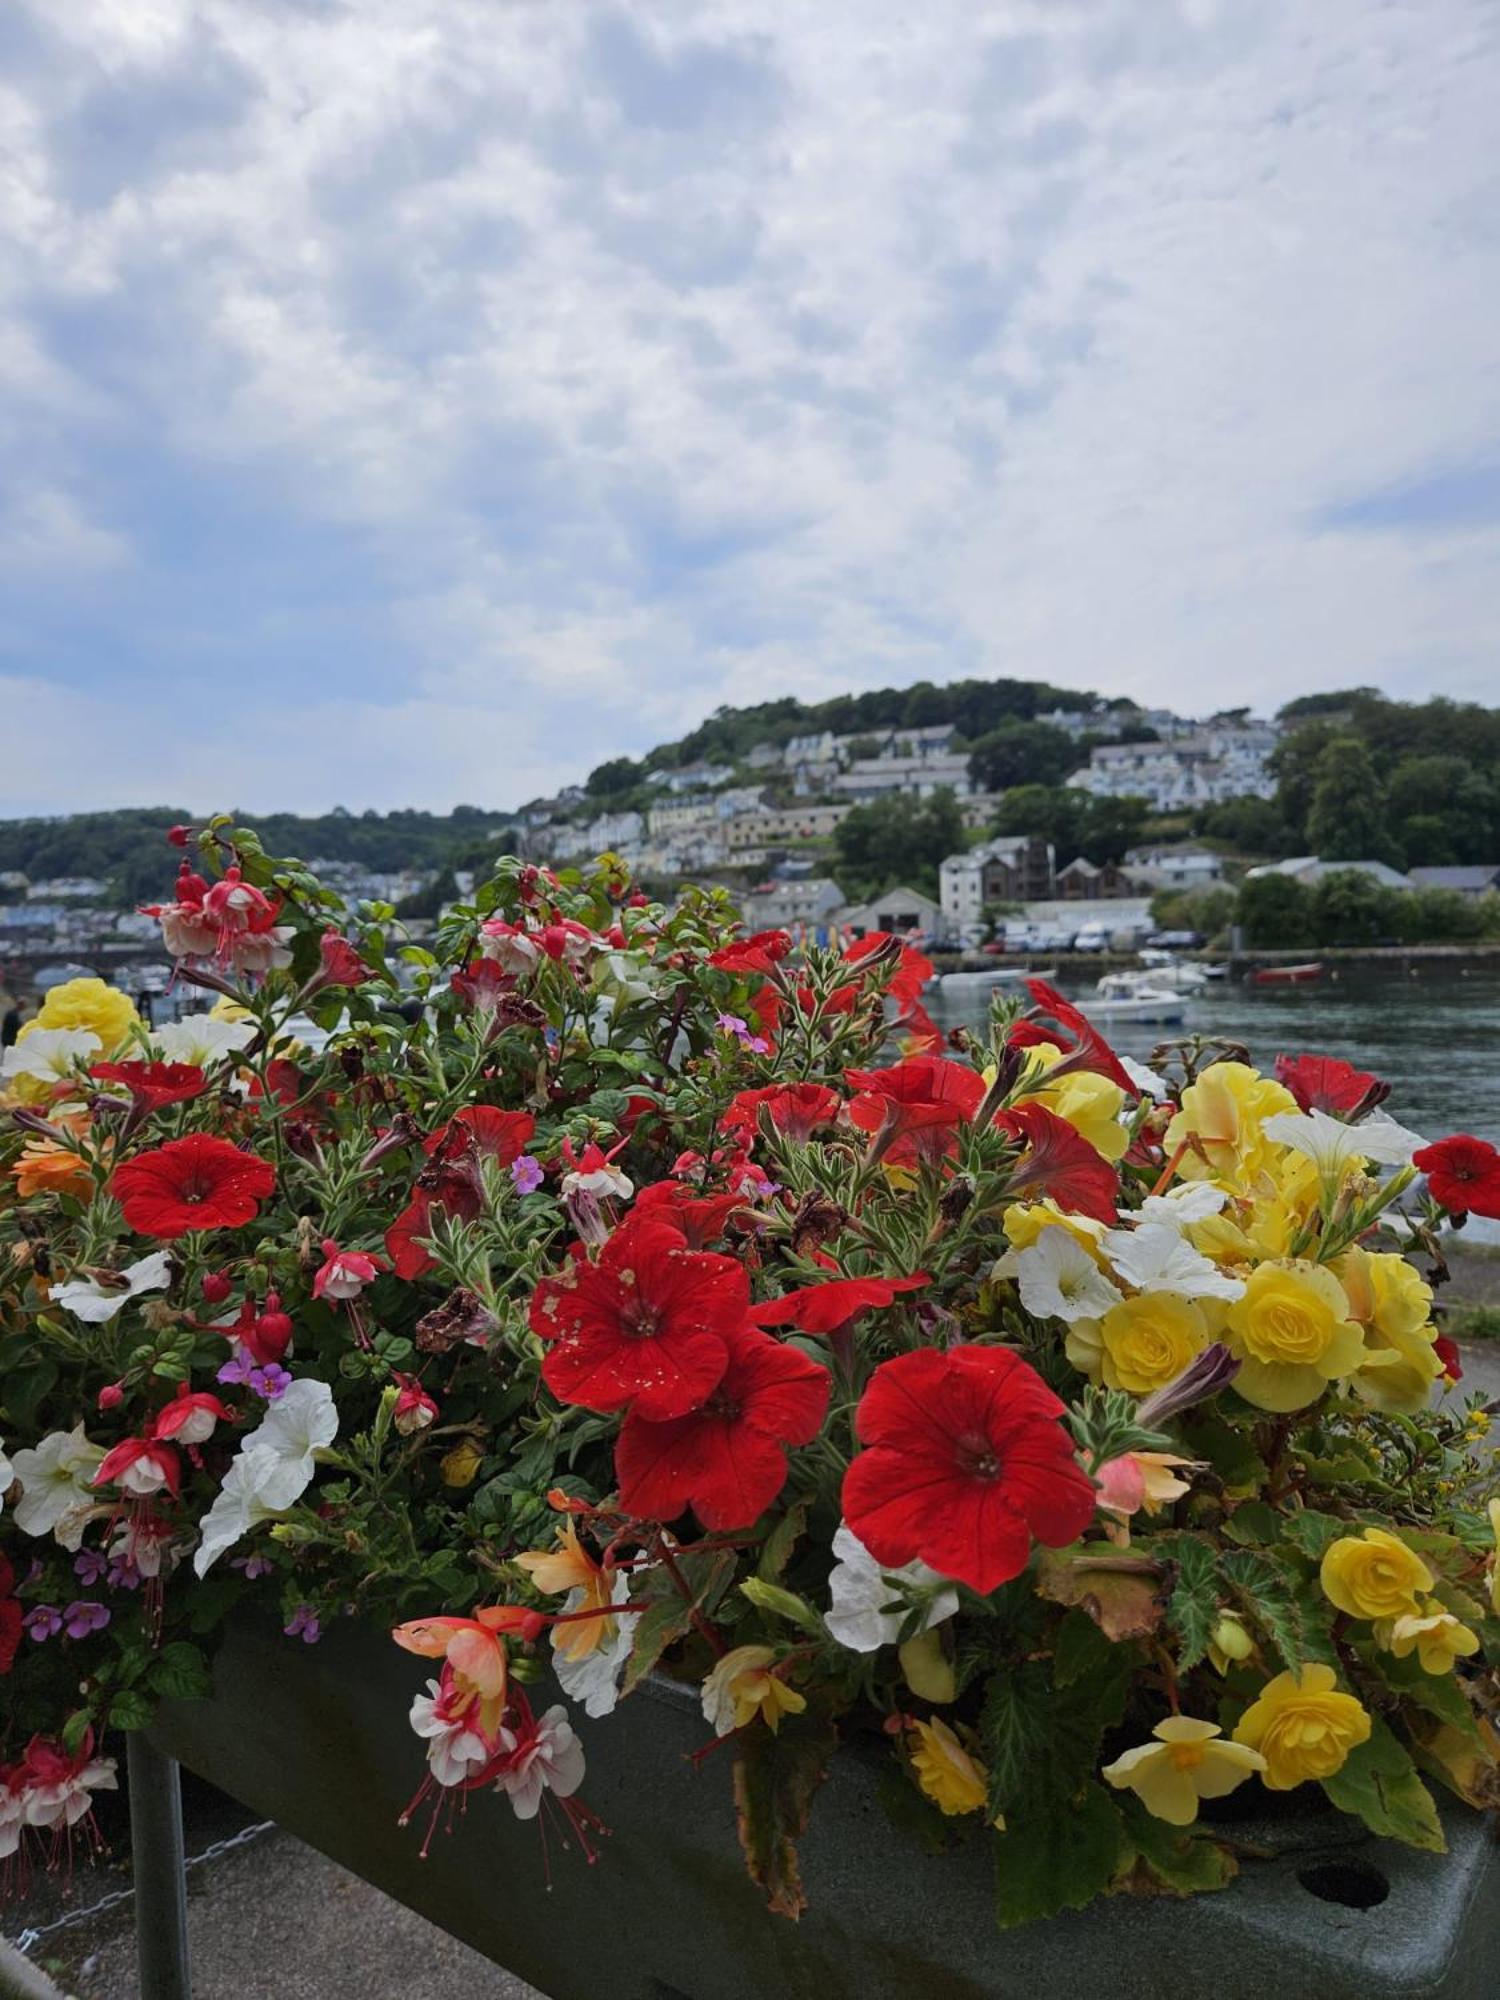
(161, 1940)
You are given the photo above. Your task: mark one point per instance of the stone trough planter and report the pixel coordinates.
(316, 1738)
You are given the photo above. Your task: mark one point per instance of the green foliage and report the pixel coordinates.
(1348, 907)
(1194, 1604)
(1024, 753)
(1074, 821)
(1347, 818)
(897, 840)
(1378, 1783)
(1055, 1856)
(775, 1778)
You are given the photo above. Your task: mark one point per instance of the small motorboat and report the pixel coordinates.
(1161, 1009)
(1178, 976)
(992, 975)
(1287, 975)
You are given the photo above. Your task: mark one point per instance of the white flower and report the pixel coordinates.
(1331, 1144)
(604, 1182)
(595, 1680)
(88, 1300)
(65, 1802)
(54, 1480)
(7, 1474)
(49, 1054)
(1058, 1279)
(453, 1749)
(868, 1612)
(1146, 1080)
(12, 1820)
(552, 1761)
(201, 1039)
(272, 1469)
(1183, 1205)
(237, 1507)
(1157, 1259)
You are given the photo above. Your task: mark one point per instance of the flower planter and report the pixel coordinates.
(316, 1738)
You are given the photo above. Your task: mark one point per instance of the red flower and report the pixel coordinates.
(826, 1308)
(501, 1136)
(921, 1102)
(10, 1617)
(1323, 1083)
(795, 1109)
(648, 1326)
(760, 953)
(341, 963)
(727, 1459)
(141, 1466)
(913, 970)
(482, 984)
(1463, 1174)
(1447, 1351)
(1082, 1044)
(964, 1465)
(1061, 1163)
(153, 1084)
(195, 1183)
(701, 1218)
(451, 1182)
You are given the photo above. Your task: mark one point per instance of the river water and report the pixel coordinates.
(1435, 1039)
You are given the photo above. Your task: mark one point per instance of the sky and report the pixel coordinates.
(412, 402)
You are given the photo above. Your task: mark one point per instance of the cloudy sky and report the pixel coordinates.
(414, 401)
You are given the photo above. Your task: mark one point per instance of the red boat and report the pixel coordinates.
(1287, 975)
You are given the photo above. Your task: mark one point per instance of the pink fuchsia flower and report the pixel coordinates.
(527, 1174)
(140, 1467)
(58, 1785)
(190, 1417)
(83, 1617)
(341, 964)
(303, 1624)
(414, 1409)
(344, 1274)
(542, 1755)
(513, 948)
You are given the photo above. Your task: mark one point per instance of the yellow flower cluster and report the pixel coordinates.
(1376, 1576)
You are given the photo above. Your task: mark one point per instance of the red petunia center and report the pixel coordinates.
(976, 1456)
(722, 1404)
(639, 1319)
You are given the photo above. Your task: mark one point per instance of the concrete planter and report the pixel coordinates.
(316, 1738)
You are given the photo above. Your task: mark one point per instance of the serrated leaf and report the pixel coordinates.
(1170, 1860)
(1230, 1452)
(1057, 1856)
(669, 1617)
(1041, 1739)
(1437, 1694)
(1193, 1608)
(1253, 1524)
(775, 1777)
(1313, 1533)
(1290, 1611)
(1078, 1648)
(1378, 1783)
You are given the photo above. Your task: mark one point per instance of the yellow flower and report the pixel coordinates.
(1091, 1104)
(570, 1569)
(1303, 1726)
(1433, 1634)
(1373, 1575)
(1249, 1229)
(1025, 1220)
(459, 1465)
(88, 1003)
(1184, 1765)
(1221, 1113)
(1292, 1333)
(927, 1668)
(742, 1686)
(1495, 1558)
(951, 1778)
(1392, 1303)
(1148, 1341)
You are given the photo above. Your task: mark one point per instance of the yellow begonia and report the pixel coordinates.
(1292, 1334)
(1187, 1763)
(1146, 1342)
(1433, 1634)
(1392, 1302)
(1024, 1222)
(1221, 1115)
(742, 1686)
(89, 1004)
(1248, 1231)
(1304, 1726)
(1373, 1575)
(1091, 1104)
(951, 1778)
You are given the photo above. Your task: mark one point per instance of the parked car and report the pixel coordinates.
(1093, 937)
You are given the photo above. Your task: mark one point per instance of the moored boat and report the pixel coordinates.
(1287, 975)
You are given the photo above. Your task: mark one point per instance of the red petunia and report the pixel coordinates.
(964, 1465)
(451, 1181)
(1463, 1174)
(825, 1308)
(501, 1136)
(762, 952)
(1324, 1083)
(1059, 1162)
(339, 963)
(648, 1326)
(153, 1084)
(1082, 1045)
(796, 1110)
(701, 1217)
(1448, 1353)
(727, 1459)
(914, 969)
(194, 1183)
(920, 1102)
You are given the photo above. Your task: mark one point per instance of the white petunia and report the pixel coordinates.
(201, 1039)
(237, 1508)
(1156, 1258)
(1146, 1080)
(7, 1475)
(1183, 1205)
(594, 1681)
(868, 1612)
(55, 1489)
(1058, 1279)
(94, 1303)
(49, 1054)
(1331, 1144)
(272, 1469)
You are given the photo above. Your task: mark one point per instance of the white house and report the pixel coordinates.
(807, 904)
(1015, 868)
(900, 911)
(1308, 869)
(1175, 867)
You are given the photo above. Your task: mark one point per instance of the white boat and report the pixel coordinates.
(1178, 976)
(992, 975)
(1163, 1009)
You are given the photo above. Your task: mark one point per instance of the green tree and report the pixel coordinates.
(1443, 809)
(897, 840)
(1275, 912)
(1348, 819)
(613, 777)
(1349, 907)
(1022, 753)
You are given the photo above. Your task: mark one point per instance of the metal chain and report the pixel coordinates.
(35, 1933)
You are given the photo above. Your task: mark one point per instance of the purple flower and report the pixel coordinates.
(757, 1045)
(41, 1621)
(83, 1617)
(270, 1382)
(237, 1369)
(303, 1624)
(731, 1024)
(526, 1174)
(253, 1566)
(89, 1566)
(123, 1573)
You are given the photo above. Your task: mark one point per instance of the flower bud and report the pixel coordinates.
(111, 1396)
(216, 1287)
(927, 1667)
(1231, 1638)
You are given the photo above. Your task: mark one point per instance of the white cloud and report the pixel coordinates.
(597, 365)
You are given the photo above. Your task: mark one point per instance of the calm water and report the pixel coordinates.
(1436, 1040)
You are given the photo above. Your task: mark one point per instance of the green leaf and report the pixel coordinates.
(181, 1671)
(1378, 1783)
(669, 1617)
(130, 1710)
(1437, 1694)
(775, 1777)
(1057, 1856)
(1193, 1607)
(1230, 1452)
(1170, 1859)
(776, 1549)
(779, 1603)
(1078, 1648)
(1041, 1739)
(1253, 1524)
(1313, 1533)
(1291, 1611)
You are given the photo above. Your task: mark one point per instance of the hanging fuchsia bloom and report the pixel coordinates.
(341, 964)
(190, 1416)
(344, 1274)
(414, 1409)
(140, 1467)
